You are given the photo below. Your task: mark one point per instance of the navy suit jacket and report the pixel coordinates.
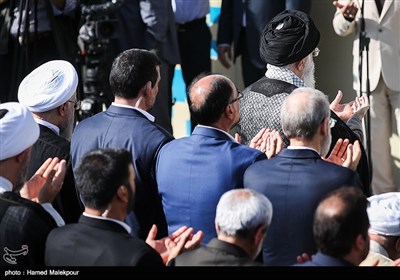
(128, 128)
(294, 181)
(324, 260)
(192, 174)
(95, 242)
(258, 14)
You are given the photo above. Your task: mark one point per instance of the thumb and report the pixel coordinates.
(152, 233)
(338, 97)
(237, 137)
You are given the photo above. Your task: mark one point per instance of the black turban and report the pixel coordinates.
(287, 38)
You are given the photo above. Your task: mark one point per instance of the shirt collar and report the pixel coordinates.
(301, 148)
(5, 185)
(124, 225)
(51, 126)
(149, 116)
(284, 74)
(210, 127)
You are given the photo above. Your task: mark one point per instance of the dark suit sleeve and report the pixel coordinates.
(225, 24)
(150, 258)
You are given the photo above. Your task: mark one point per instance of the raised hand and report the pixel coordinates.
(345, 154)
(46, 183)
(171, 246)
(344, 111)
(348, 10)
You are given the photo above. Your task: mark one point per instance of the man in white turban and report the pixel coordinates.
(49, 92)
(25, 224)
(384, 231)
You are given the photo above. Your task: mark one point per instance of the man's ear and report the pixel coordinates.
(259, 234)
(301, 64)
(324, 127)
(148, 88)
(397, 244)
(230, 114)
(122, 194)
(216, 227)
(22, 156)
(63, 110)
(360, 242)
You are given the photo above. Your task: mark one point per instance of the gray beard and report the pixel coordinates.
(309, 73)
(326, 144)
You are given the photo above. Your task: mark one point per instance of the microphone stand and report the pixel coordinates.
(364, 45)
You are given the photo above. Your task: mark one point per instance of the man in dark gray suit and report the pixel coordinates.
(297, 178)
(106, 181)
(242, 221)
(134, 80)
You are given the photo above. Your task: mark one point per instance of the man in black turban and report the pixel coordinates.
(288, 45)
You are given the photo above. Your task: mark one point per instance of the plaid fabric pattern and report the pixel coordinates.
(284, 74)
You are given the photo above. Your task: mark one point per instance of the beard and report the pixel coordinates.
(308, 75)
(326, 144)
(21, 179)
(67, 128)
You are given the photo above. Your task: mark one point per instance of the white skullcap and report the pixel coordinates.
(18, 130)
(384, 214)
(48, 86)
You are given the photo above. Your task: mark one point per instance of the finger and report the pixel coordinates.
(152, 233)
(195, 240)
(260, 134)
(51, 167)
(44, 166)
(338, 97)
(256, 141)
(183, 238)
(336, 148)
(178, 232)
(342, 149)
(356, 152)
(349, 156)
(279, 142)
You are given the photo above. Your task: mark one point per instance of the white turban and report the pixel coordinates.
(48, 86)
(384, 214)
(18, 129)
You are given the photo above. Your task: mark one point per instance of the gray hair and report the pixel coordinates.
(302, 116)
(241, 211)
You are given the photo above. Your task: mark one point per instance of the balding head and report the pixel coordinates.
(339, 219)
(209, 97)
(302, 113)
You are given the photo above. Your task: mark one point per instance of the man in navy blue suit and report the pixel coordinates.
(134, 80)
(341, 229)
(297, 178)
(193, 172)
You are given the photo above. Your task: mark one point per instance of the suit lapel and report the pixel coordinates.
(385, 8)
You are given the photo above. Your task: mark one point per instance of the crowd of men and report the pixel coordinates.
(292, 187)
